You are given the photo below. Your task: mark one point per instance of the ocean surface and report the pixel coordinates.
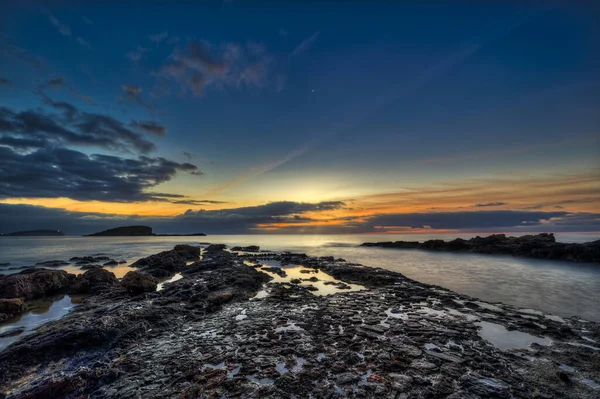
(558, 287)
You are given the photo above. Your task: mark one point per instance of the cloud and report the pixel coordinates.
(189, 156)
(87, 20)
(199, 65)
(199, 202)
(137, 54)
(159, 37)
(22, 55)
(305, 44)
(62, 28)
(457, 220)
(150, 127)
(246, 219)
(132, 94)
(490, 204)
(48, 172)
(54, 82)
(4, 82)
(83, 42)
(28, 130)
(283, 32)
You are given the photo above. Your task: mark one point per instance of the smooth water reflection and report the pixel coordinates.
(43, 311)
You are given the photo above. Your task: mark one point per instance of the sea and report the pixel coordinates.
(558, 287)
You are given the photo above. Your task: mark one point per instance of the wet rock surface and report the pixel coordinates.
(543, 246)
(210, 335)
(34, 283)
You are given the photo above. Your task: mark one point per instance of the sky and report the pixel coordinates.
(300, 117)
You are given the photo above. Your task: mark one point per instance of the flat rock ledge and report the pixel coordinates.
(208, 335)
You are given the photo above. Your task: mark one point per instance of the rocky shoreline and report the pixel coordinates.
(541, 246)
(256, 324)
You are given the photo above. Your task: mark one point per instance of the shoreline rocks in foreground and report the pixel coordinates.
(227, 328)
(542, 246)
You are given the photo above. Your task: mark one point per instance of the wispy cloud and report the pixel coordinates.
(83, 42)
(305, 44)
(200, 64)
(132, 94)
(4, 82)
(64, 30)
(159, 37)
(489, 204)
(137, 54)
(87, 20)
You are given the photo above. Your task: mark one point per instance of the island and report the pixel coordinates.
(124, 231)
(542, 246)
(35, 233)
(138, 231)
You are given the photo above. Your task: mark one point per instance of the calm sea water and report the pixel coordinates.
(561, 288)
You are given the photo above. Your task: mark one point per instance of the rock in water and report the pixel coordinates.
(34, 283)
(93, 281)
(10, 308)
(172, 261)
(189, 252)
(138, 283)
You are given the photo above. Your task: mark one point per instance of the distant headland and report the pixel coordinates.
(542, 246)
(35, 233)
(136, 231)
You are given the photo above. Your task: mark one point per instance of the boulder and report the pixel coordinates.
(189, 252)
(93, 281)
(173, 261)
(34, 283)
(52, 263)
(10, 308)
(138, 283)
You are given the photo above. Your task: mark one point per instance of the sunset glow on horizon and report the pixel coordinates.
(395, 119)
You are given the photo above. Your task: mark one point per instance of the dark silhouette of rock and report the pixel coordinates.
(88, 259)
(172, 261)
(138, 283)
(250, 248)
(35, 233)
(10, 308)
(111, 263)
(93, 281)
(125, 231)
(52, 263)
(34, 283)
(543, 246)
(189, 252)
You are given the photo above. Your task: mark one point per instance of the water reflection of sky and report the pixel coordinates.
(49, 309)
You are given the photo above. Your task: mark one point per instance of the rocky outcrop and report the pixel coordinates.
(34, 283)
(93, 281)
(125, 231)
(35, 233)
(188, 252)
(202, 336)
(10, 308)
(171, 261)
(250, 248)
(138, 283)
(543, 246)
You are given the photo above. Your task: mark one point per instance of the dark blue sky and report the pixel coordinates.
(300, 101)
